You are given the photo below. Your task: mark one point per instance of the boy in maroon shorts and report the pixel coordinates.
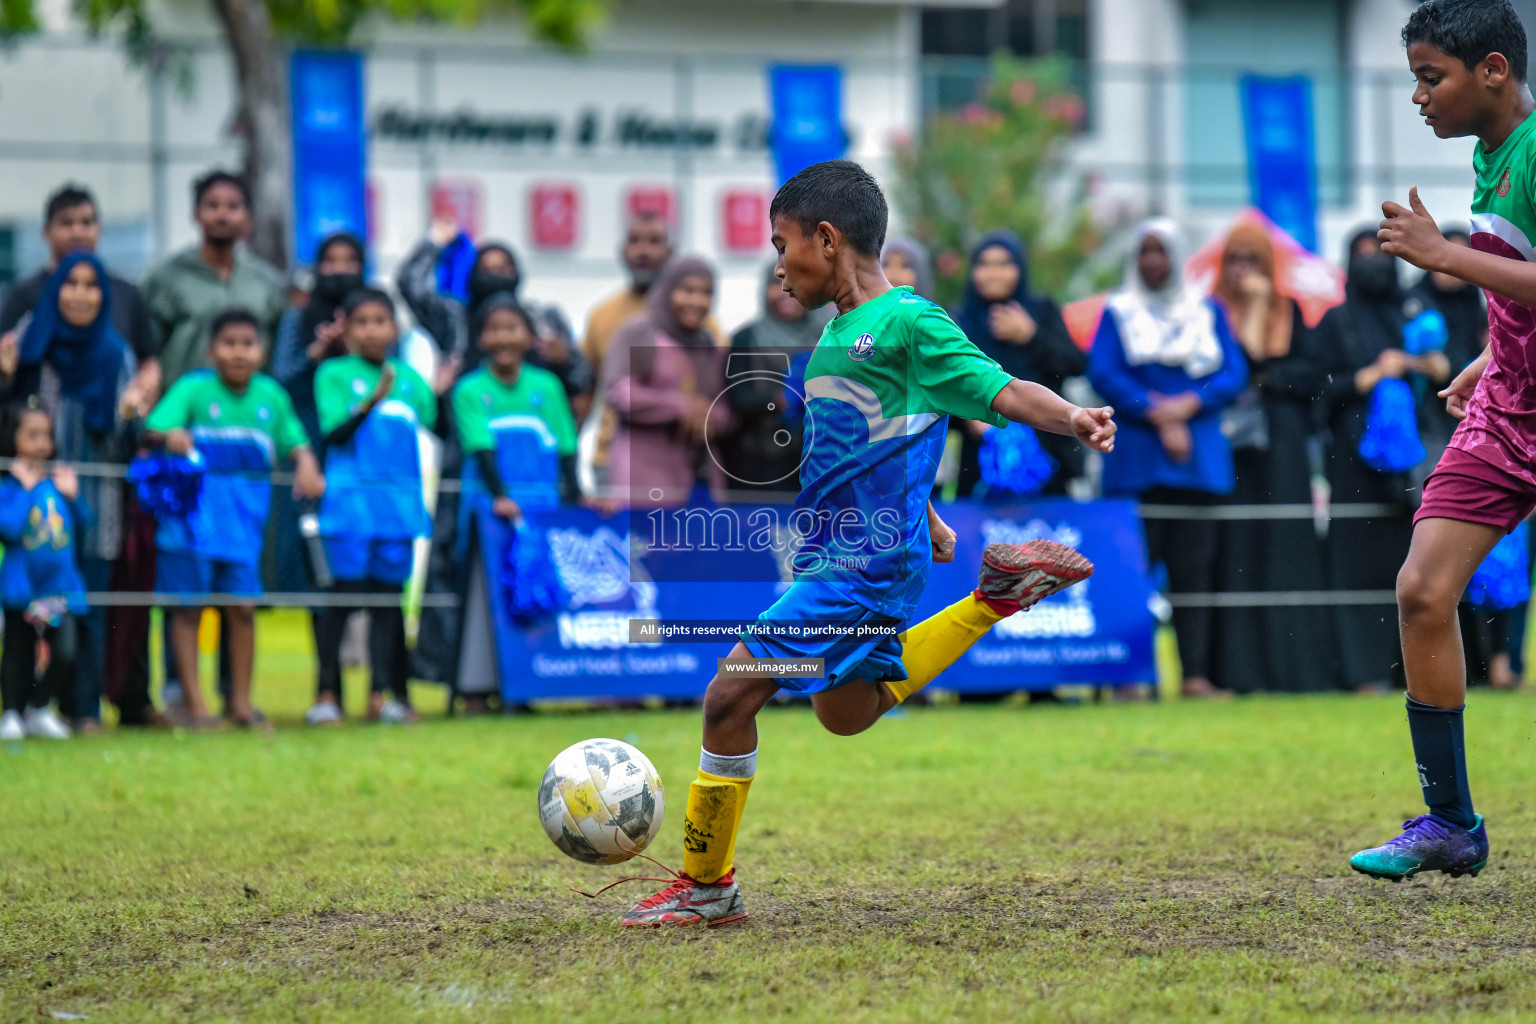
(1469, 60)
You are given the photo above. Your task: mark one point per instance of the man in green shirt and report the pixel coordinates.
(185, 292)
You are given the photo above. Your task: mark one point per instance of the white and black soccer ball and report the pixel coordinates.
(601, 801)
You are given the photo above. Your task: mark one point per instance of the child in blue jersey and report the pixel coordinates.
(40, 587)
(240, 423)
(879, 386)
(372, 408)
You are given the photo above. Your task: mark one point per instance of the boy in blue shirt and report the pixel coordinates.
(40, 585)
(372, 408)
(241, 423)
(888, 370)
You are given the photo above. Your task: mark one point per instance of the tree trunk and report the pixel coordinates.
(261, 78)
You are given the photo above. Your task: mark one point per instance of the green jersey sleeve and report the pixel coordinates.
(287, 430)
(174, 409)
(953, 374)
(333, 395)
(469, 417)
(422, 399)
(557, 413)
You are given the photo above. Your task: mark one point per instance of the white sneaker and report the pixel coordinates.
(44, 723)
(395, 713)
(325, 712)
(11, 727)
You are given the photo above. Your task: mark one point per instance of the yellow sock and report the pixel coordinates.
(715, 805)
(936, 643)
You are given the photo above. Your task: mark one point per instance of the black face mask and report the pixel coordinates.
(483, 285)
(335, 287)
(1374, 276)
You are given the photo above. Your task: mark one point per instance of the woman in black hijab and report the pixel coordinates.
(1025, 333)
(1360, 344)
(311, 334)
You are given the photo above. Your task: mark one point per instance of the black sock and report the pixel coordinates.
(1441, 753)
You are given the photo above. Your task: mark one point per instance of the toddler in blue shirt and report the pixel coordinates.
(40, 586)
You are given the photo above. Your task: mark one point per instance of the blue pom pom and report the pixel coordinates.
(1504, 578)
(1426, 332)
(1391, 442)
(1012, 461)
(168, 485)
(454, 265)
(529, 581)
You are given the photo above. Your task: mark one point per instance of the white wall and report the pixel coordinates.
(1391, 147)
(73, 110)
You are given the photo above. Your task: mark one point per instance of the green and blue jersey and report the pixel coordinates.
(878, 389)
(241, 439)
(373, 480)
(527, 424)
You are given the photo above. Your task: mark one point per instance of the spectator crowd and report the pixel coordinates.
(1226, 396)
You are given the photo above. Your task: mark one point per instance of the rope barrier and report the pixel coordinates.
(1283, 598)
(279, 599)
(1206, 513)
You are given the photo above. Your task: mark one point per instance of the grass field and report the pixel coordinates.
(968, 863)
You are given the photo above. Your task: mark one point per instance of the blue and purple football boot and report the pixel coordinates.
(1427, 843)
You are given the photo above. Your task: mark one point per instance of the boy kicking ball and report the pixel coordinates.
(1468, 58)
(886, 373)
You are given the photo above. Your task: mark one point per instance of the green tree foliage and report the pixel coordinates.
(996, 163)
(561, 22)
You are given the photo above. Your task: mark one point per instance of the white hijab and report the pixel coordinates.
(1174, 325)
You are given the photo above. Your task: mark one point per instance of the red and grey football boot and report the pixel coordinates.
(1018, 576)
(688, 902)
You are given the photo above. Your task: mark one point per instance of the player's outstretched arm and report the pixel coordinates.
(1043, 409)
(1411, 233)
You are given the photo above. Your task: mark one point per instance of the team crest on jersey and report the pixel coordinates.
(862, 348)
(263, 414)
(1504, 184)
(213, 410)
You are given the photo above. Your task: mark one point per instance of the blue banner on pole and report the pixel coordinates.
(807, 117)
(329, 148)
(1282, 163)
(1096, 632)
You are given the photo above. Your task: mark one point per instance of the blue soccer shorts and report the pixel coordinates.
(816, 620)
(382, 561)
(178, 572)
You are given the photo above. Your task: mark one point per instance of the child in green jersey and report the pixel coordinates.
(513, 420)
(240, 423)
(372, 410)
(888, 371)
(1469, 64)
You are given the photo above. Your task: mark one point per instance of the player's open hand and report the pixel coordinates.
(942, 536)
(506, 508)
(1095, 428)
(308, 481)
(27, 473)
(1459, 391)
(385, 385)
(1410, 232)
(178, 442)
(67, 482)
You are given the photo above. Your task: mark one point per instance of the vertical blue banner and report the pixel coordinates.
(329, 148)
(807, 117)
(1282, 162)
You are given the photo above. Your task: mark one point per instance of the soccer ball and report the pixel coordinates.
(601, 801)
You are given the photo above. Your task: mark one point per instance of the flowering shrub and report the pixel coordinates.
(996, 163)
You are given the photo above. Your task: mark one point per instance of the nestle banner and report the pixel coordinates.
(1097, 632)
